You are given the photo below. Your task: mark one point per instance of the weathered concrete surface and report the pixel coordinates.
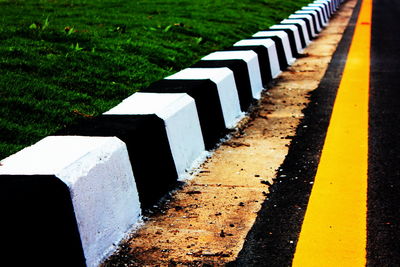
(208, 220)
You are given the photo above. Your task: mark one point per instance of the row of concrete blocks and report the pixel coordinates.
(70, 198)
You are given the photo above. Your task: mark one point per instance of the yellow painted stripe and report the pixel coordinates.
(334, 228)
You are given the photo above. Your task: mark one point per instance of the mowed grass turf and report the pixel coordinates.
(61, 60)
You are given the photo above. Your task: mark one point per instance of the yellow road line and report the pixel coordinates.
(334, 228)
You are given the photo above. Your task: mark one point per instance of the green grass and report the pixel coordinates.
(63, 59)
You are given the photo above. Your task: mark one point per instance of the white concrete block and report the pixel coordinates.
(309, 19)
(334, 3)
(314, 14)
(272, 54)
(330, 4)
(324, 8)
(251, 59)
(327, 5)
(295, 31)
(98, 175)
(225, 81)
(320, 13)
(285, 40)
(307, 38)
(181, 122)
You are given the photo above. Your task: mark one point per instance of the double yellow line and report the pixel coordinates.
(334, 228)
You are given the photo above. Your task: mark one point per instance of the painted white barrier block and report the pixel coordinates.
(253, 66)
(272, 54)
(328, 6)
(309, 19)
(314, 14)
(295, 31)
(320, 12)
(285, 41)
(97, 173)
(334, 4)
(307, 38)
(323, 4)
(324, 8)
(319, 9)
(225, 81)
(329, 3)
(179, 113)
(337, 4)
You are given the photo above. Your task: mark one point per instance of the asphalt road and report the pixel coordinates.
(383, 246)
(272, 240)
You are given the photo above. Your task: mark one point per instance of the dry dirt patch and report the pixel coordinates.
(207, 221)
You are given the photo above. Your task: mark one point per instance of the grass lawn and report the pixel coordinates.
(63, 59)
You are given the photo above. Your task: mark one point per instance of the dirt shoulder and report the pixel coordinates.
(206, 222)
